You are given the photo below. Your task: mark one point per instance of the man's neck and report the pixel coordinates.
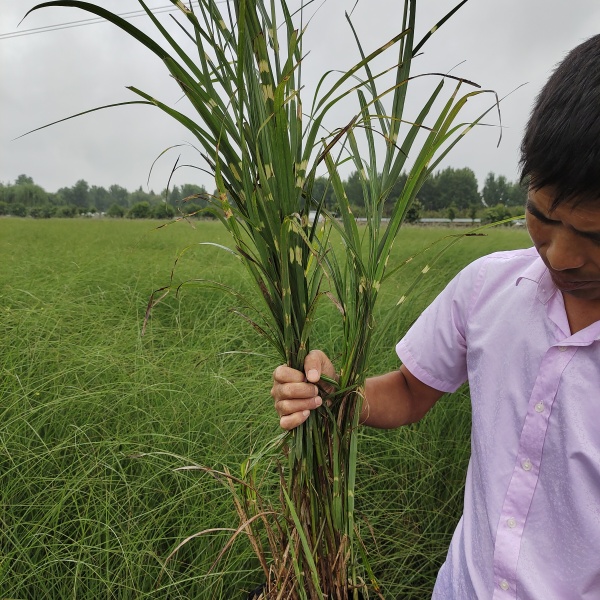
(581, 313)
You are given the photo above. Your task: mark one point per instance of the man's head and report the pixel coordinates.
(560, 155)
(561, 145)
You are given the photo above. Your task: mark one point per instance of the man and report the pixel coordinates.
(523, 328)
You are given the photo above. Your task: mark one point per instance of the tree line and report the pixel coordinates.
(449, 193)
(26, 198)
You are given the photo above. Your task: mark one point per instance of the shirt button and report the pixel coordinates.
(526, 464)
(504, 584)
(539, 407)
(511, 522)
(562, 348)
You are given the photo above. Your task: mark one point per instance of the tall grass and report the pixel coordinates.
(94, 419)
(84, 513)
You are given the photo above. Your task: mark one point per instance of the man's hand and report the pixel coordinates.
(295, 394)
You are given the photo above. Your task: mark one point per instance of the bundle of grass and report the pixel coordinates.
(245, 82)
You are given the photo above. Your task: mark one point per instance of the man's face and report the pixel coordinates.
(568, 241)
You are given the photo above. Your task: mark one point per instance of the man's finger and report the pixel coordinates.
(316, 364)
(285, 374)
(290, 407)
(292, 421)
(287, 391)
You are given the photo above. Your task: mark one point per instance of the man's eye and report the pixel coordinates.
(595, 239)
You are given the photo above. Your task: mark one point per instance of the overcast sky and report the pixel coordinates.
(500, 44)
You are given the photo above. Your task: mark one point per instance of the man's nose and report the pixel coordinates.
(565, 251)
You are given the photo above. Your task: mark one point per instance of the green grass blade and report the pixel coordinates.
(307, 551)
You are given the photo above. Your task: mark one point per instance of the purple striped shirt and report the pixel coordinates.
(530, 529)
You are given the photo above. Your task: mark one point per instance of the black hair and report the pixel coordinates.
(561, 145)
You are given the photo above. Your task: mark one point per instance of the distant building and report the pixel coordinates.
(312, 215)
(448, 222)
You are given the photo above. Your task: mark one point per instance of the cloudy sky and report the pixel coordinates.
(45, 76)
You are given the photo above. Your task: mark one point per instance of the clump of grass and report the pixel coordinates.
(243, 79)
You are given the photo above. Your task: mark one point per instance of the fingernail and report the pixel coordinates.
(306, 413)
(318, 401)
(313, 374)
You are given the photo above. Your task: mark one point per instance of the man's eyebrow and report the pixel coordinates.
(538, 214)
(535, 211)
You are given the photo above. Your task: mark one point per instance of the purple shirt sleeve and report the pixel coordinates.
(434, 349)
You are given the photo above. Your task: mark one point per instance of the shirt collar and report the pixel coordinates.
(538, 273)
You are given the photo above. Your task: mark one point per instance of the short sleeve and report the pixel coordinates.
(434, 349)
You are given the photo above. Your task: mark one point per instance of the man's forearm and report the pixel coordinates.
(395, 399)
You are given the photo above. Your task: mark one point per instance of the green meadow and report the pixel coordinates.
(96, 419)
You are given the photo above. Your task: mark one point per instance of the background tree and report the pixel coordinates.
(163, 211)
(119, 195)
(142, 196)
(80, 196)
(413, 214)
(395, 194)
(428, 193)
(473, 211)
(499, 212)
(66, 212)
(496, 190)
(517, 194)
(44, 211)
(323, 191)
(115, 211)
(25, 192)
(140, 210)
(100, 198)
(23, 180)
(173, 196)
(193, 199)
(458, 188)
(354, 190)
(18, 210)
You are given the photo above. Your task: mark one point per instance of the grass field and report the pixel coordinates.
(94, 418)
